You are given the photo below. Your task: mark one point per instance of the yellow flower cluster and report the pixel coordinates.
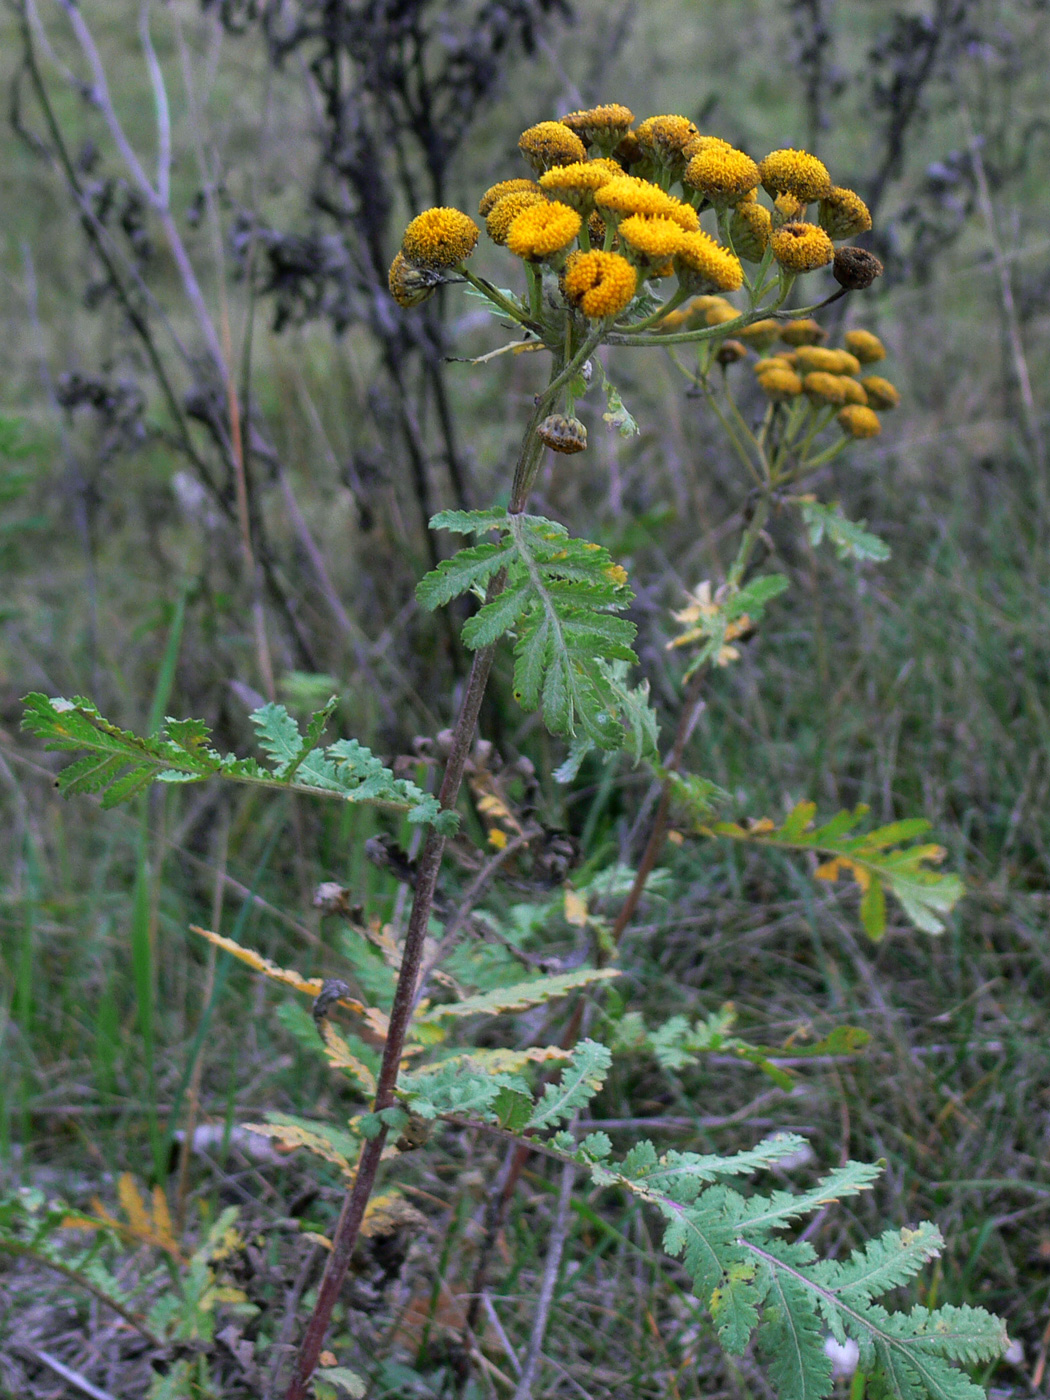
(578, 183)
(816, 357)
(604, 126)
(600, 284)
(652, 240)
(777, 380)
(507, 209)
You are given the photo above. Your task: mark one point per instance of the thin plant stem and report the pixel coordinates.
(427, 870)
(555, 1249)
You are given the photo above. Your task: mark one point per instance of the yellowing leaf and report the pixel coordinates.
(500, 1060)
(340, 1056)
(830, 870)
(497, 838)
(290, 1135)
(133, 1205)
(311, 986)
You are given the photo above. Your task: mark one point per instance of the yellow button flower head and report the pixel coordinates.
(780, 384)
(818, 357)
(600, 284)
(704, 143)
(704, 264)
(807, 332)
(439, 238)
(794, 172)
(410, 285)
(723, 176)
(663, 139)
(684, 215)
(824, 388)
(760, 335)
(856, 421)
(881, 393)
(495, 193)
(720, 314)
(843, 214)
(628, 195)
(750, 228)
(550, 143)
(604, 127)
(652, 240)
(543, 231)
(507, 209)
(802, 247)
(772, 362)
(854, 389)
(868, 348)
(576, 184)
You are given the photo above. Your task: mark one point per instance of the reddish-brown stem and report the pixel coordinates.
(346, 1231)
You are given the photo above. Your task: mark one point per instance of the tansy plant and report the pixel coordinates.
(633, 237)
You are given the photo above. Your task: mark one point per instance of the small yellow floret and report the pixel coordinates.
(794, 172)
(802, 247)
(603, 126)
(439, 238)
(663, 139)
(543, 231)
(723, 176)
(780, 384)
(550, 143)
(856, 421)
(750, 228)
(600, 284)
(720, 315)
(806, 332)
(495, 193)
(854, 389)
(760, 335)
(867, 347)
(824, 388)
(507, 209)
(881, 393)
(576, 184)
(655, 239)
(684, 215)
(700, 259)
(816, 357)
(843, 214)
(628, 195)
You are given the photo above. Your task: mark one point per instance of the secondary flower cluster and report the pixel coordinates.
(611, 206)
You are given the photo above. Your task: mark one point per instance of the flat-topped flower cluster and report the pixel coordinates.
(612, 207)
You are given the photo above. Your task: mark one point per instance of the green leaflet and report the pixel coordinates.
(756, 1283)
(559, 597)
(849, 538)
(119, 764)
(925, 895)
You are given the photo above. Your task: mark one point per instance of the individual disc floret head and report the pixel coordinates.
(843, 214)
(881, 393)
(800, 247)
(803, 332)
(705, 266)
(543, 231)
(550, 143)
(867, 347)
(789, 171)
(439, 238)
(576, 184)
(506, 210)
(857, 421)
(496, 192)
(721, 175)
(598, 284)
(750, 228)
(603, 127)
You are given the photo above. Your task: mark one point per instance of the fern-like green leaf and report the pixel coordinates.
(119, 764)
(516, 998)
(791, 1338)
(559, 598)
(580, 1080)
(925, 895)
(849, 538)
